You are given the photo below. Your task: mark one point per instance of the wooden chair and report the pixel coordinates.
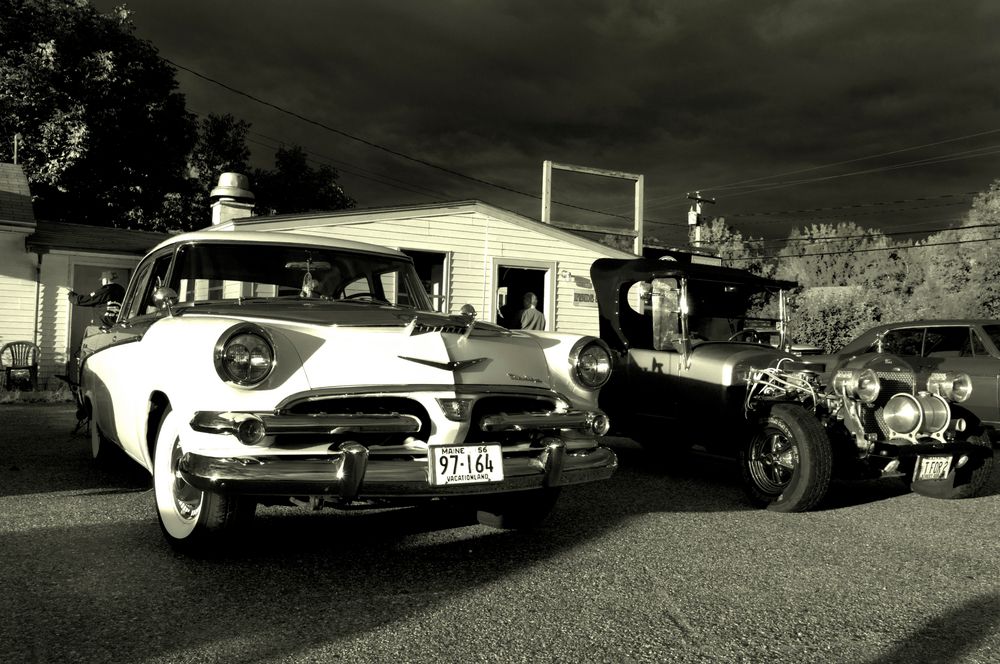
(19, 356)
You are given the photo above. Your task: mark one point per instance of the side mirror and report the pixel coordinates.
(165, 298)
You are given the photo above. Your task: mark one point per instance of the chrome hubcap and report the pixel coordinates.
(773, 460)
(187, 499)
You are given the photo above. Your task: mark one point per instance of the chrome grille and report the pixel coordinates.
(495, 405)
(421, 328)
(372, 405)
(892, 383)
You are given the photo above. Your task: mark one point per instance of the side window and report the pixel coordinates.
(946, 341)
(357, 287)
(141, 281)
(974, 346)
(903, 342)
(151, 276)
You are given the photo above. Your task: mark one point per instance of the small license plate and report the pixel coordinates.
(933, 467)
(466, 464)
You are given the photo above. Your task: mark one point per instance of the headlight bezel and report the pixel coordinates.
(950, 385)
(582, 363)
(864, 384)
(232, 336)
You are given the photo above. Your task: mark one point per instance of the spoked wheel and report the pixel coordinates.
(190, 518)
(773, 459)
(787, 464)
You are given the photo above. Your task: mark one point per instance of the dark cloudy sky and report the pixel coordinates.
(785, 111)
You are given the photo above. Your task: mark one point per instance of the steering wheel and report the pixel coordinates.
(355, 296)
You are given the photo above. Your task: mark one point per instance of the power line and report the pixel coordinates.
(872, 236)
(680, 198)
(855, 206)
(861, 251)
(383, 148)
(851, 161)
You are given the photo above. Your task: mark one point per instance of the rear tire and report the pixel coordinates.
(103, 451)
(787, 465)
(192, 520)
(521, 510)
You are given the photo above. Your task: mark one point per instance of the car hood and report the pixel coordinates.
(370, 346)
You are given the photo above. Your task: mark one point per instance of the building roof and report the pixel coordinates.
(59, 236)
(355, 216)
(15, 197)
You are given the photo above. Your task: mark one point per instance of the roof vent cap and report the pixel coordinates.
(232, 185)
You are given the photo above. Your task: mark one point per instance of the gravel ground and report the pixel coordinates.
(651, 566)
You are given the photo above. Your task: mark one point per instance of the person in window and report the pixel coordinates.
(110, 294)
(531, 318)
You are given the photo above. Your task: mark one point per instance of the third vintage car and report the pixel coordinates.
(687, 378)
(251, 368)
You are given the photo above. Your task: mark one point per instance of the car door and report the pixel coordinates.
(960, 348)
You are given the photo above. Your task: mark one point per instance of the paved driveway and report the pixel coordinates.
(652, 566)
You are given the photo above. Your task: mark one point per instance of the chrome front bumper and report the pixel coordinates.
(350, 473)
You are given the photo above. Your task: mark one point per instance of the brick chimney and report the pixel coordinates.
(231, 199)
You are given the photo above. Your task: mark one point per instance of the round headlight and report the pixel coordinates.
(868, 386)
(863, 384)
(903, 413)
(591, 365)
(244, 356)
(951, 385)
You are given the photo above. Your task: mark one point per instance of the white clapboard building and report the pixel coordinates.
(467, 252)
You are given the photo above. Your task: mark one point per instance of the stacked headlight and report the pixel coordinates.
(861, 383)
(951, 385)
(590, 363)
(244, 355)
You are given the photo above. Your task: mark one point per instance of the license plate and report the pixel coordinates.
(933, 467)
(466, 464)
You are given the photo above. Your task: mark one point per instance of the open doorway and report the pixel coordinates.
(87, 279)
(510, 285)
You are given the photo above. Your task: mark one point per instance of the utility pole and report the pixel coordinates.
(17, 141)
(694, 215)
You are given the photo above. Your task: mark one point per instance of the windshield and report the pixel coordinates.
(723, 312)
(220, 271)
(715, 311)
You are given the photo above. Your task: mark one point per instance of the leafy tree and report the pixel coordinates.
(105, 133)
(294, 186)
(220, 148)
(962, 273)
(736, 251)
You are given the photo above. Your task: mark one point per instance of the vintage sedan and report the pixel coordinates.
(252, 368)
(971, 347)
(687, 377)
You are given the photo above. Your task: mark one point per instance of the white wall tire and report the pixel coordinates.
(189, 518)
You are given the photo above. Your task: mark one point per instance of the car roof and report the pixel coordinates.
(941, 322)
(276, 237)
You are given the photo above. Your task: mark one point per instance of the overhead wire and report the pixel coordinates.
(383, 148)
(865, 250)
(977, 152)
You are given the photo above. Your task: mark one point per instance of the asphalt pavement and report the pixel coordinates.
(654, 565)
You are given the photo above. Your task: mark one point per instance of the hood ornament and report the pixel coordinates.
(454, 365)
